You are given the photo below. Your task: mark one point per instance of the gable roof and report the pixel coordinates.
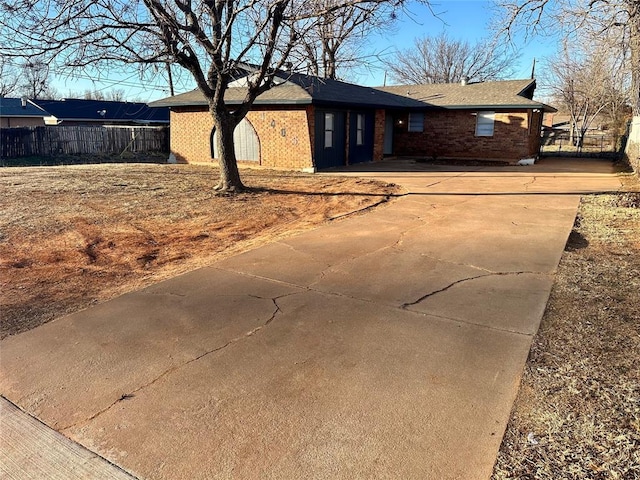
(483, 95)
(102, 110)
(12, 107)
(299, 89)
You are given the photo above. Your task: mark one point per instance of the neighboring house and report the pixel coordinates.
(307, 123)
(70, 112)
(20, 112)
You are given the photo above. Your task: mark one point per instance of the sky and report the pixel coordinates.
(460, 19)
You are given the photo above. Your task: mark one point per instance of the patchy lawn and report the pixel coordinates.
(577, 415)
(73, 236)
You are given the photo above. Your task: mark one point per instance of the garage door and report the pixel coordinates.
(245, 140)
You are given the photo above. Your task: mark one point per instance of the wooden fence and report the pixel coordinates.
(73, 140)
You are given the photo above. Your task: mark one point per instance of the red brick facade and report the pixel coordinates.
(378, 135)
(452, 134)
(285, 135)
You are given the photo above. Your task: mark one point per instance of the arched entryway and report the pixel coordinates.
(245, 140)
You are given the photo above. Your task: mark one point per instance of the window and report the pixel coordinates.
(360, 129)
(484, 124)
(416, 122)
(328, 130)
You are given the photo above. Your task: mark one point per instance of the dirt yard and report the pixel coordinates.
(77, 235)
(577, 415)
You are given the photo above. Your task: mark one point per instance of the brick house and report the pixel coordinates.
(306, 123)
(20, 112)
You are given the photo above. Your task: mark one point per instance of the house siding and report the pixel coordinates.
(452, 134)
(16, 122)
(284, 135)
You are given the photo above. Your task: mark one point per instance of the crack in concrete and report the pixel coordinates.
(295, 250)
(369, 207)
(405, 306)
(336, 266)
(528, 184)
(169, 371)
(452, 177)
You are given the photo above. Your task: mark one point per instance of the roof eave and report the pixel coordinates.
(22, 116)
(514, 106)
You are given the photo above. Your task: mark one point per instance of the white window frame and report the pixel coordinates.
(416, 122)
(485, 123)
(360, 129)
(329, 121)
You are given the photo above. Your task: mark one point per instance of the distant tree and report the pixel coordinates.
(441, 59)
(585, 84)
(336, 41)
(116, 95)
(581, 22)
(35, 81)
(214, 40)
(93, 95)
(9, 78)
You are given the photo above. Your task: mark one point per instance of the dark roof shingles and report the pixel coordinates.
(12, 107)
(90, 110)
(304, 89)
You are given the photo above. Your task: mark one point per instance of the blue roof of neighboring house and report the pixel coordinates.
(102, 110)
(12, 107)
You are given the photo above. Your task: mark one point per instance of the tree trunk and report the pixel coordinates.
(634, 46)
(330, 64)
(230, 181)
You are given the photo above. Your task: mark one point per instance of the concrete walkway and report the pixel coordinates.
(385, 345)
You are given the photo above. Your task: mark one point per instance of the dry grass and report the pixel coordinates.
(577, 415)
(76, 235)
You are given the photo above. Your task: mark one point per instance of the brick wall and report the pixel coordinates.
(283, 134)
(451, 134)
(378, 135)
(190, 134)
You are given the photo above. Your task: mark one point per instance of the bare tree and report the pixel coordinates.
(441, 59)
(336, 41)
(112, 95)
(580, 84)
(214, 40)
(35, 82)
(91, 95)
(9, 78)
(581, 21)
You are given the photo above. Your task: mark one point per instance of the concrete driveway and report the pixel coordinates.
(386, 345)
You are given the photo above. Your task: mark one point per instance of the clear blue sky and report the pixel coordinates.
(460, 19)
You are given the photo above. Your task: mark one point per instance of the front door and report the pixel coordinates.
(330, 139)
(361, 126)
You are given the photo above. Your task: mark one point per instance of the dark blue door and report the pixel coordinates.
(330, 139)
(361, 126)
